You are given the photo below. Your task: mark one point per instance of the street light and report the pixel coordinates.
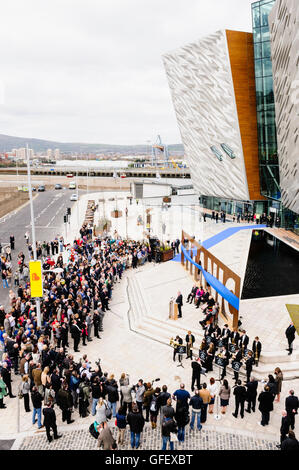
(33, 231)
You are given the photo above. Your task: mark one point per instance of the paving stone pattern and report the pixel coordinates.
(151, 440)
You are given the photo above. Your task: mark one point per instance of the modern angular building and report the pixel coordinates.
(213, 91)
(284, 32)
(223, 94)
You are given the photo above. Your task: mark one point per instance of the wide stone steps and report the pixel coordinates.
(142, 321)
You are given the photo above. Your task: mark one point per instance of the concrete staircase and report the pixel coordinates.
(142, 321)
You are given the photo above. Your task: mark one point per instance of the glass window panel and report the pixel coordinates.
(267, 67)
(257, 35)
(266, 49)
(258, 51)
(256, 17)
(268, 85)
(265, 33)
(258, 68)
(264, 12)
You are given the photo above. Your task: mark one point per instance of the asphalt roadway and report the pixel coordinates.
(49, 209)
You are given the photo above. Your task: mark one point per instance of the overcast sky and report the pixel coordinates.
(91, 70)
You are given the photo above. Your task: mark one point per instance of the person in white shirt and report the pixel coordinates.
(213, 389)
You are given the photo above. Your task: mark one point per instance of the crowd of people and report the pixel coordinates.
(74, 305)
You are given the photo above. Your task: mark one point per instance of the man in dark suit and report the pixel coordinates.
(251, 394)
(249, 364)
(291, 406)
(179, 302)
(196, 371)
(190, 340)
(234, 337)
(6, 376)
(238, 358)
(225, 335)
(243, 341)
(76, 333)
(290, 334)
(284, 428)
(240, 395)
(50, 422)
(256, 349)
(266, 399)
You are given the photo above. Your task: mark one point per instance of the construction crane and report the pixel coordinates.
(159, 152)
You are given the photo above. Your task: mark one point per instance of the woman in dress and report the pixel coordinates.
(224, 394)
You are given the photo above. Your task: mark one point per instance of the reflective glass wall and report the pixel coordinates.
(269, 170)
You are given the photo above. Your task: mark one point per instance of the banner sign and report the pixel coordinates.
(36, 284)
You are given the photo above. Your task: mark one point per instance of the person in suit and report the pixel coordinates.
(256, 348)
(291, 406)
(191, 296)
(266, 399)
(290, 334)
(226, 355)
(175, 350)
(190, 340)
(240, 395)
(50, 421)
(251, 394)
(76, 334)
(238, 358)
(243, 341)
(234, 337)
(225, 335)
(179, 302)
(249, 364)
(284, 428)
(196, 371)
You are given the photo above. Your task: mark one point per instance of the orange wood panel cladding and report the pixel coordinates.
(240, 47)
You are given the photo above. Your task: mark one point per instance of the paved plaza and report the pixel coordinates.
(140, 348)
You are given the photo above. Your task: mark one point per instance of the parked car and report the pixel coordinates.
(33, 188)
(72, 186)
(74, 197)
(57, 186)
(69, 175)
(41, 188)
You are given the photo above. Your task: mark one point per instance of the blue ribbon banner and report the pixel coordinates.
(231, 298)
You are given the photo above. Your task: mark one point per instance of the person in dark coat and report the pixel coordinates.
(284, 428)
(136, 422)
(196, 371)
(290, 443)
(248, 365)
(50, 422)
(291, 406)
(266, 399)
(76, 334)
(290, 334)
(256, 349)
(6, 376)
(12, 242)
(182, 419)
(240, 395)
(251, 394)
(179, 302)
(65, 402)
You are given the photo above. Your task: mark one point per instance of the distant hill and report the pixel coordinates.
(8, 142)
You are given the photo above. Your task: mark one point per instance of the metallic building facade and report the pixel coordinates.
(216, 130)
(284, 29)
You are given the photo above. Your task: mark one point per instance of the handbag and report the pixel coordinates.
(173, 437)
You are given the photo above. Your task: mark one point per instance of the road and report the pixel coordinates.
(49, 208)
